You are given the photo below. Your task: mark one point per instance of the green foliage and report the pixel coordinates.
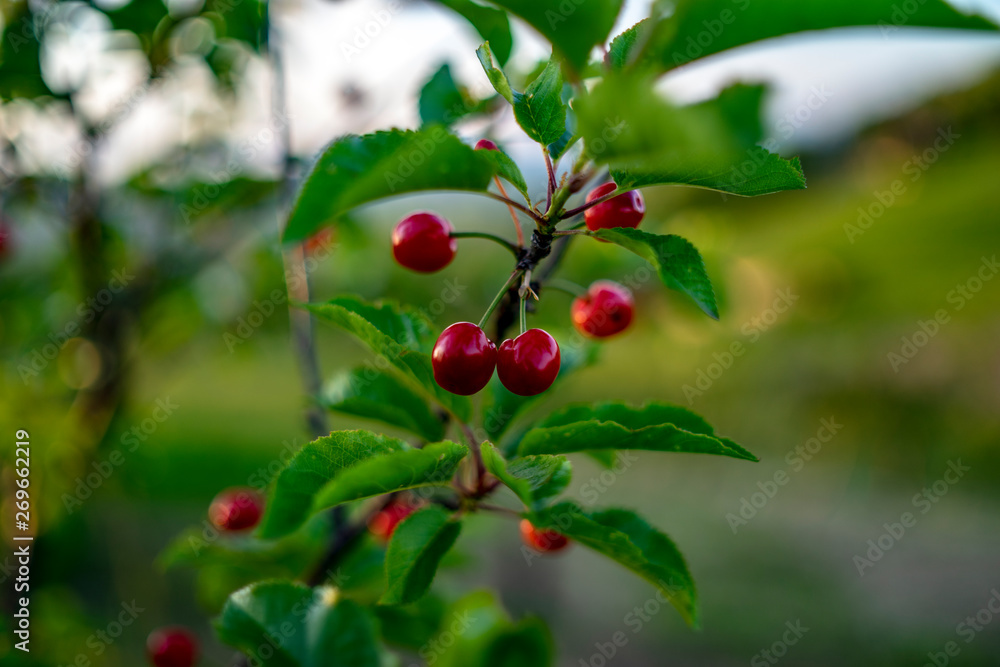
(491, 24)
(539, 110)
(508, 170)
(355, 170)
(626, 538)
(312, 626)
(677, 262)
(312, 467)
(572, 28)
(415, 551)
(442, 101)
(682, 37)
(433, 465)
(657, 427)
(533, 479)
(20, 69)
(373, 394)
(402, 339)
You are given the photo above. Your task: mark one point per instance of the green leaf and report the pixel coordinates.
(401, 336)
(288, 557)
(493, 72)
(628, 539)
(319, 461)
(492, 25)
(243, 21)
(533, 479)
(281, 624)
(657, 427)
(540, 110)
(433, 465)
(620, 52)
(442, 101)
(508, 170)
(573, 29)
(369, 393)
(355, 170)
(525, 644)
(649, 129)
(411, 626)
(415, 550)
(760, 173)
(505, 406)
(677, 261)
(701, 28)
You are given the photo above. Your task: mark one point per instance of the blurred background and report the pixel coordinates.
(147, 355)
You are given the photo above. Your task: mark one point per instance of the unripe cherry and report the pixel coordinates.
(236, 509)
(486, 144)
(172, 647)
(528, 365)
(624, 210)
(422, 242)
(541, 539)
(606, 309)
(463, 359)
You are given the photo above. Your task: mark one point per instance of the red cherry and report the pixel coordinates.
(422, 242)
(172, 647)
(486, 144)
(384, 523)
(463, 359)
(545, 541)
(528, 364)
(5, 238)
(606, 309)
(624, 210)
(236, 509)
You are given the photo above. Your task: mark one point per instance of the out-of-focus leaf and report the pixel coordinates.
(492, 25)
(315, 628)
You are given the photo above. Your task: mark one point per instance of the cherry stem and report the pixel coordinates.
(499, 297)
(571, 232)
(600, 200)
(524, 313)
(550, 169)
(492, 237)
(567, 286)
(499, 508)
(513, 214)
(520, 207)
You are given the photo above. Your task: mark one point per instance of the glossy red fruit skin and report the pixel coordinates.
(605, 310)
(172, 647)
(625, 210)
(542, 540)
(486, 144)
(463, 359)
(236, 509)
(384, 523)
(422, 242)
(528, 365)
